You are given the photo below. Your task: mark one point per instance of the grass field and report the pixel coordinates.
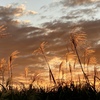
(85, 88)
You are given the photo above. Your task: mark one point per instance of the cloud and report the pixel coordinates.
(26, 38)
(77, 15)
(77, 2)
(14, 10)
(58, 34)
(73, 11)
(31, 12)
(11, 11)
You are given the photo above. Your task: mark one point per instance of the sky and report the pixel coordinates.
(31, 22)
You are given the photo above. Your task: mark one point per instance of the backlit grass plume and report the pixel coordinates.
(26, 71)
(10, 62)
(41, 50)
(88, 52)
(3, 68)
(78, 38)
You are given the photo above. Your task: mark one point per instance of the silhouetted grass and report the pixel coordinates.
(67, 92)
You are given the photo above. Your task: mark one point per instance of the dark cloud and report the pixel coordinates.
(76, 2)
(11, 11)
(72, 10)
(58, 31)
(9, 15)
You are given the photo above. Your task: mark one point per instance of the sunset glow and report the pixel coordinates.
(49, 41)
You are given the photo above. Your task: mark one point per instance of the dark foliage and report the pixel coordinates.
(67, 92)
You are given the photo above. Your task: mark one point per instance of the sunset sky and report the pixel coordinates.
(30, 22)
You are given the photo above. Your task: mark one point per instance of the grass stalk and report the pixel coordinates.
(50, 71)
(85, 76)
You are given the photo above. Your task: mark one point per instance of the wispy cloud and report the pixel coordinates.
(77, 2)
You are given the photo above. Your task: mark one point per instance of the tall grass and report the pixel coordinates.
(78, 39)
(11, 59)
(3, 69)
(63, 89)
(41, 50)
